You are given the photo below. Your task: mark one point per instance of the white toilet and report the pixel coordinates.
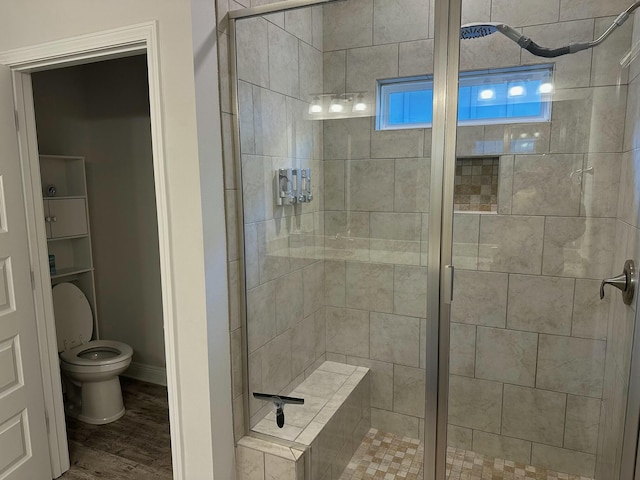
(90, 368)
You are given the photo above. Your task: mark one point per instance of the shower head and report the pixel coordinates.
(479, 30)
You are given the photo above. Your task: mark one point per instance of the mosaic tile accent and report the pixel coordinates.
(385, 456)
(476, 185)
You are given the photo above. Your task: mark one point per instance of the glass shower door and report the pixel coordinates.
(335, 216)
(545, 207)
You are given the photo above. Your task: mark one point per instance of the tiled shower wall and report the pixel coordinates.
(622, 318)
(532, 254)
(279, 66)
(529, 332)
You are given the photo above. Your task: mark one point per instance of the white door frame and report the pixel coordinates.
(140, 38)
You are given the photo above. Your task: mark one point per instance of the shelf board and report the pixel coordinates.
(57, 239)
(66, 197)
(65, 272)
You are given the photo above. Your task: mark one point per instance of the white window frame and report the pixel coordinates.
(386, 87)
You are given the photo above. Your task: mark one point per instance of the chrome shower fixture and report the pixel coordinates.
(479, 30)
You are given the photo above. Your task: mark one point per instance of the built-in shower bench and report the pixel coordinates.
(328, 428)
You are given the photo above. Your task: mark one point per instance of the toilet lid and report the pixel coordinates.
(74, 320)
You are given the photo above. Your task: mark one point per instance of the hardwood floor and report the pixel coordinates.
(135, 447)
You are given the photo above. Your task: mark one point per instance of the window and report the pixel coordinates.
(514, 95)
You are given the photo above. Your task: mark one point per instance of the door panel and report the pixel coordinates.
(68, 217)
(24, 451)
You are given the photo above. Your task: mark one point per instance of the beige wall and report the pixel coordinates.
(111, 129)
(193, 400)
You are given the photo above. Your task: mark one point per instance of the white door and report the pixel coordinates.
(24, 450)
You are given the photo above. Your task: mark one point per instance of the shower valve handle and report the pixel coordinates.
(625, 282)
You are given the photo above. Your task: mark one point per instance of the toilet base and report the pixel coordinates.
(101, 402)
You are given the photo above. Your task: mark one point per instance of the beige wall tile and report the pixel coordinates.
(313, 287)
(590, 314)
(347, 139)
(475, 403)
(397, 423)
(411, 187)
(335, 283)
(410, 290)
(572, 365)
(370, 286)
(273, 249)
(462, 356)
(583, 420)
(518, 252)
(254, 187)
(506, 356)
(543, 185)
(381, 381)
(311, 71)
(459, 437)
(395, 226)
(245, 118)
(276, 363)
(563, 460)
(347, 331)
(543, 11)
(570, 9)
(416, 58)
(289, 301)
(466, 232)
(303, 345)
(499, 446)
(270, 122)
(400, 21)
(335, 72)
(277, 468)
(470, 140)
(299, 23)
(480, 298)
(367, 65)
(395, 339)
(283, 62)
(540, 304)
(397, 143)
(261, 315)
(505, 184)
(607, 126)
(253, 55)
(532, 414)
(578, 247)
(249, 464)
(602, 185)
(409, 390)
(348, 24)
(571, 120)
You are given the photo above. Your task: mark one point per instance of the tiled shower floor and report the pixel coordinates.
(384, 456)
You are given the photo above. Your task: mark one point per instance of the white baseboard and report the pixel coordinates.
(146, 373)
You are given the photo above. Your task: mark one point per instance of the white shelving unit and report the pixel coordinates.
(66, 210)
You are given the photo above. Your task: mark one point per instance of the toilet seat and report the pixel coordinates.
(106, 352)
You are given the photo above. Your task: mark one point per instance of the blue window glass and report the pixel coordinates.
(516, 95)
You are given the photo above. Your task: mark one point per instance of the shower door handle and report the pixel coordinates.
(625, 282)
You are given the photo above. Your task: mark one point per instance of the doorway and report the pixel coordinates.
(94, 135)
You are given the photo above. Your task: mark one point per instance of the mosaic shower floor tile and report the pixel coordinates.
(385, 456)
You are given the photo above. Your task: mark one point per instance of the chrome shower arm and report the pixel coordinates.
(623, 17)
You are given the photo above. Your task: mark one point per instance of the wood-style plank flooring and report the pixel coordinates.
(135, 447)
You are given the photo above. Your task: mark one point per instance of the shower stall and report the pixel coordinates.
(427, 224)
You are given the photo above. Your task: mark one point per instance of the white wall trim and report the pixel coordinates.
(74, 51)
(147, 373)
